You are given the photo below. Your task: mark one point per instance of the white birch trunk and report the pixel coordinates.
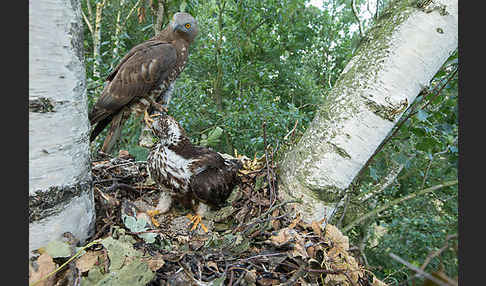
(400, 56)
(60, 182)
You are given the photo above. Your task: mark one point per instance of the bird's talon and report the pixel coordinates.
(147, 119)
(196, 220)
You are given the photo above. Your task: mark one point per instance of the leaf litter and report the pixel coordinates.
(256, 239)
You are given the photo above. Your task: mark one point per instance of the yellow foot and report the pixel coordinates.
(152, 214)
(196, 220)
(147, 119)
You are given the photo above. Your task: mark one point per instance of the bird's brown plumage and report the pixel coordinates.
(146, 71)
(189, 171)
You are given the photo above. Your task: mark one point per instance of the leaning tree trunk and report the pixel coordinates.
(395, 61)
(60, 184)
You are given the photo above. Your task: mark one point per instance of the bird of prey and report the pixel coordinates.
(144, 78)
(189, 172)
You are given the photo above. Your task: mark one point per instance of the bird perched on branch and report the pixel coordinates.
(189, 172)
(144, 78)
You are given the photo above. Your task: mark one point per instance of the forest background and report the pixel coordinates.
(273, 62)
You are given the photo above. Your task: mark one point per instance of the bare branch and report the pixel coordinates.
(355, 12)
(418, 270)
(86, 20)
(131, 12)
(438, 252)
(117, 32)
(90, 10)
(159, 17)
(397, 201)
(377, 8)
(385, 182)
(97, 38)
(427, 172)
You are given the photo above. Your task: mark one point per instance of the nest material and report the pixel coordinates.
(255, 240)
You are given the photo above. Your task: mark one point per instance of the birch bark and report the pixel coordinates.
(60, 186)
(395, 61)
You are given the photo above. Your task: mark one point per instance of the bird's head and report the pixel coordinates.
(167, 129)
(185, 25)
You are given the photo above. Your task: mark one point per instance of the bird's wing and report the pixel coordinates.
(206, 159)
(145, 67)
(214, 181)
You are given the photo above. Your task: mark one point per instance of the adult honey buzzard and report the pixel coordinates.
(189, 172)
(144, 77)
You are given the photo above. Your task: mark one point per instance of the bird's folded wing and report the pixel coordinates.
(145, 67)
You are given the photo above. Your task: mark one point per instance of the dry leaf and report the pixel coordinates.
(283, 236)
(45, 266)
(155, 262)
(316, 227)
(250, 276)
(311, 251)
(295, 221)
(124, 154)
(212, 264)
(336, 237)
(299, 249)
(268, 282)
(141, 14)
(87, 261)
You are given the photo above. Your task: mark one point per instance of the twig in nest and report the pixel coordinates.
(269, 178)
(297, 274)
(124, 164)
(261, 219)
(291, 132)
(117, 185)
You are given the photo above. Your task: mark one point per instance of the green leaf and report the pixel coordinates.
(374, 173)
(141, 224)
(422, 115)
(149, 237)
(58, 248)
(130, 222)
(213, 138)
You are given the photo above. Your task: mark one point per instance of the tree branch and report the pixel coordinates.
(90, 10)
(418, 270)
(86, 20)
(355, 13)
(397, 201)
(131, 12)
(438, 252)
(387, 181)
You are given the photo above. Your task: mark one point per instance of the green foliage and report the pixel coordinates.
(139, 225)
(427, 146)
(273, 61)
(261, 61)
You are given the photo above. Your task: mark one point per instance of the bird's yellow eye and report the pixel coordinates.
(188, 26)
